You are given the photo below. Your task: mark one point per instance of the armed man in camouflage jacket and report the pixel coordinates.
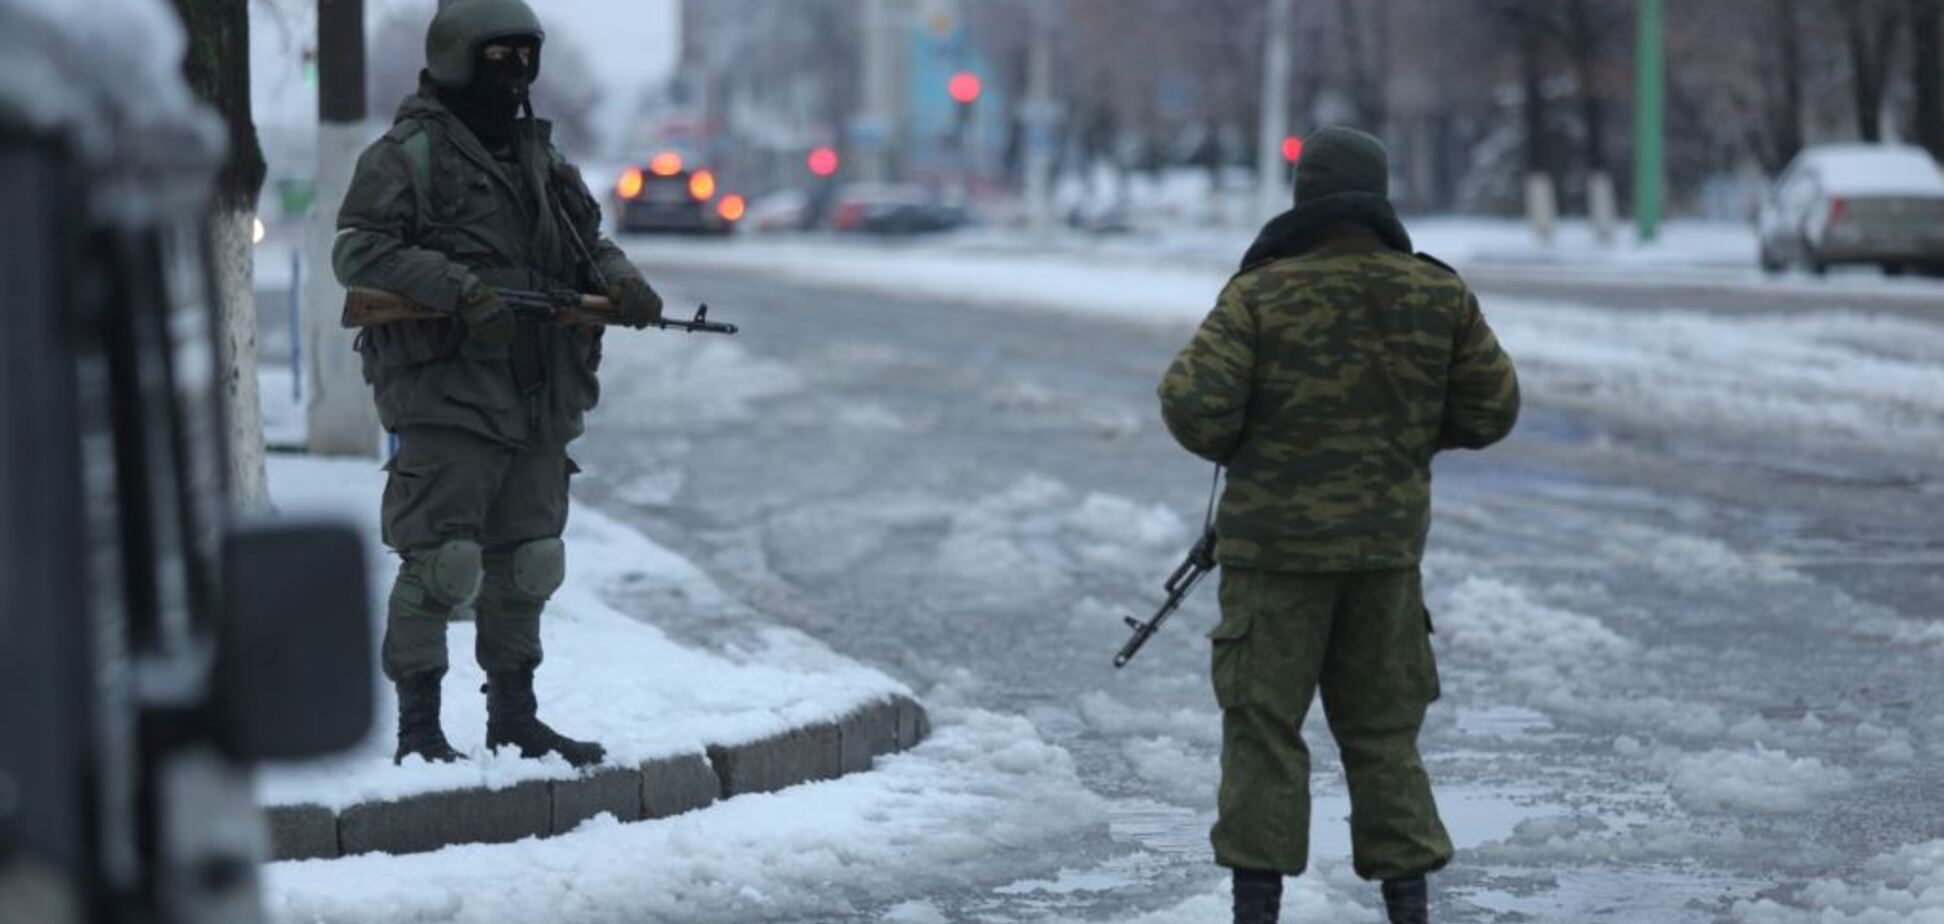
(464, 195)
(1334, 366)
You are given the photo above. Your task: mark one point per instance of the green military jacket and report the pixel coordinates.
(429, 212)
(1325, 383)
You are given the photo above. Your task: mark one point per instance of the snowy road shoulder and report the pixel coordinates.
(608, 675)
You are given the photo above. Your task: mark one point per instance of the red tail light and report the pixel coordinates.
(1837, 209)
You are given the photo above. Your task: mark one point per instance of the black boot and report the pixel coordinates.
(511, 719)
(1258, 896)
(1407, 901)
(418, 721)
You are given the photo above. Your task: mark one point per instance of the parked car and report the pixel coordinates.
(1855, 203)
(890, 209)
(667, 197)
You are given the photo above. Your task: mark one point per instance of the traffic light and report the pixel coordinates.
(965, 88)
(823, 162)
(1292, 149)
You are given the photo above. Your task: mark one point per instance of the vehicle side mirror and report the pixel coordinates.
(293, 670)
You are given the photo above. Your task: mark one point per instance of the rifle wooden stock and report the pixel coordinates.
(375, 307)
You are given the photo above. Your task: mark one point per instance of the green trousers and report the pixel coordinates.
(1363, 638)
(446, 486)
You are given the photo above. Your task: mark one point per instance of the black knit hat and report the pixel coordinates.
(1342, 160)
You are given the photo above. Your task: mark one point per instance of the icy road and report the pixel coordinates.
(1687, 619)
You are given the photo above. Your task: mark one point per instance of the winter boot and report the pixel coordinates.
(511, 720)
(1258, 896)
(418, 721)
(1407, 901)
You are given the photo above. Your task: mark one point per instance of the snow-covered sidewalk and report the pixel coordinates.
(608, 675)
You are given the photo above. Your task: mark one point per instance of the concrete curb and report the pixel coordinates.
(659, 788)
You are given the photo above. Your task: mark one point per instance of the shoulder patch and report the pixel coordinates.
(1434, 261)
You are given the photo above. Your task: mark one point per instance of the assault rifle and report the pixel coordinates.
(373, 307)
(1200, 561)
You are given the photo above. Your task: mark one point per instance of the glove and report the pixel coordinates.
(486, 318)
(635, 304)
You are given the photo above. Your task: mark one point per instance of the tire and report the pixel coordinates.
(1770, 264)
(1895, 269)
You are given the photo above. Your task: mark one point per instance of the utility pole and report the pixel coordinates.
(1649, 121)
(1040, 114)
(870, 130)
(1271, 191)
(340, 415)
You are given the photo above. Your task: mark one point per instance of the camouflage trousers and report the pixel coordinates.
(1363, 638)
(448, 485)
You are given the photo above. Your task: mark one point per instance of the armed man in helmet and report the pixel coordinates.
(1333, 367)
(464, 195)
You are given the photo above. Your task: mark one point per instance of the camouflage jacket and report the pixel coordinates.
(429, 212)
(1326, 382)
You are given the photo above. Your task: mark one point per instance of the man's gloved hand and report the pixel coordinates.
(635, 304)
(486, 317)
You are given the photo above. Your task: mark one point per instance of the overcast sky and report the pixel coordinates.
(629, 43)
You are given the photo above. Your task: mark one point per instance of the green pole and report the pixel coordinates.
(1650, 123)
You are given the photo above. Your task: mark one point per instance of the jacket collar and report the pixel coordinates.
(1343, 219)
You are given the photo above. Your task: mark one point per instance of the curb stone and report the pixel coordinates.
(659, 788)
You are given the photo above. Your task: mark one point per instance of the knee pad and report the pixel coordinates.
(452, 572)
(539, 567)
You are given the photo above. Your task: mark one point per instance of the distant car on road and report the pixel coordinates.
(1855, 203)
(666, 197)
(891, 209)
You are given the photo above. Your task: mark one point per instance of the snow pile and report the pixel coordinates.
(1112, 717)
(1589, 840)
(940, 817)
(1824, 376)
(1758, 781)
(671, 378)
(1181, 773)
(107, 76)
(1535, 646)
(607, 676)
(1027, 539)
(1903, 887)
(1033, 537)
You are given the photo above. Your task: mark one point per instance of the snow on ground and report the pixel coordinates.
(1902, 887)
(608, 675)
(934, 819)
(1822, 375)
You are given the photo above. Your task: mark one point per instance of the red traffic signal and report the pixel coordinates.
(965, 88)
(1292, 149)
(823, 162)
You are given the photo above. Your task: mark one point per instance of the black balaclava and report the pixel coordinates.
(493, 100)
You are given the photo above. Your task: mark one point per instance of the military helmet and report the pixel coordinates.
(462, 27)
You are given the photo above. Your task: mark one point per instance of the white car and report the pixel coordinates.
(1856, 203)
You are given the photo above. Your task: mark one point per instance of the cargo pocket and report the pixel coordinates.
(1433, 689)
(1230, 641)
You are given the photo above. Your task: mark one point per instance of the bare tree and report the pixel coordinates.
(1869, 34)
(1364, 27)
(1927, 72)
(217, 67)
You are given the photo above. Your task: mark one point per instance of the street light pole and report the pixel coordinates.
(1650, 123)
(340, 416)
(1271, 192)
(1041, 114)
